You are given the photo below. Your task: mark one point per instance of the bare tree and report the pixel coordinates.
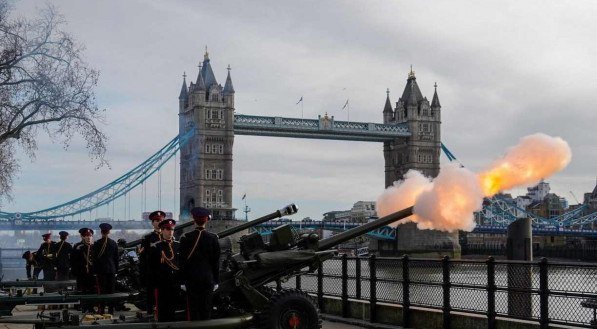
(45, 86)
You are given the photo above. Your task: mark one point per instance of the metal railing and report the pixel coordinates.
(553, 292)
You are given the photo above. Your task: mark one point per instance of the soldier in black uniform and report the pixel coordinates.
(81, 265)
(31, 262)
(45, 257)
(62, 259)
(163, 261)
(147, 280)
(105, 264)
(200, 266)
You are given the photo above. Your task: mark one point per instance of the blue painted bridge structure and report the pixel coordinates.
(389, 233)
(496, 211)
(323, 128)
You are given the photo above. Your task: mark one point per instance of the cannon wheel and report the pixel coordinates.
(290, 309)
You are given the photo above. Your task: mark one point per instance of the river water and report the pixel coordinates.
(426, 290)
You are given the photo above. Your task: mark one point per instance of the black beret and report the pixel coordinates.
(85, 231)
(46, 235)
(167, 223)
(199, 212)
(63, 233)
(156, 215)
(105, 227)
(26, 254)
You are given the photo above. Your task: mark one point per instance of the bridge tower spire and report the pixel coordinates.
(183, 97)
(229, 90)
(206, 161)
(388, 112)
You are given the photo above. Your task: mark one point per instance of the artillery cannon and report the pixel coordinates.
(244, 276)
(243, 296)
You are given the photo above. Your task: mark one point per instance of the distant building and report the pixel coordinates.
(336, 215)
(590, 200)
(551, 206)
(538, 192)
(362, 210)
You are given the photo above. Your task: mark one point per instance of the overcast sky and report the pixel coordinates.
(505, 69)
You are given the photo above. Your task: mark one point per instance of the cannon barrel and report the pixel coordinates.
(288, 210)
(285, 211)
(354, 232)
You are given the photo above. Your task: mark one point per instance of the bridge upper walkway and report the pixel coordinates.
(323, 128)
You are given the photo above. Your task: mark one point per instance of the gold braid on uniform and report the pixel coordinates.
(165, 258)
(87, 258)
(103, 247)
(195, 246)
(58, 252)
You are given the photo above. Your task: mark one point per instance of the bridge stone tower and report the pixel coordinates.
(206, 160)
(420, 152)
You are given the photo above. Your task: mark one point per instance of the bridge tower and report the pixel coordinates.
(206, 160)
(420, 152)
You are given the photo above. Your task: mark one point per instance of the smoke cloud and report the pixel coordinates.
(535, 157)
(449, 201)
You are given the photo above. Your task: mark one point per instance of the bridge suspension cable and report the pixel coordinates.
(107, 194)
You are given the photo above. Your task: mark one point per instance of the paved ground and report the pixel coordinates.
(22, 310)
(337, 325)
(326, 325)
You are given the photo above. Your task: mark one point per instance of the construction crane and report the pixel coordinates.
(574, 196)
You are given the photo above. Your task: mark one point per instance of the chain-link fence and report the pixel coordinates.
(539, 291)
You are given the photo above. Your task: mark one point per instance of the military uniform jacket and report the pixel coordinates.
(105, 256)
(80, 259)
(146, 242)
(200, 267)
(63, 251)
(45, 255)
(164, 259)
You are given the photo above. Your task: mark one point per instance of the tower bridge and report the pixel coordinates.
(410, 134)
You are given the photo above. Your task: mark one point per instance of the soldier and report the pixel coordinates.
(63, 251)
(31, 262)
(81, 262)
(147, 280)
(200, 266)
(105, 264)
(163, 261)
(81, 265)
(45, 257)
